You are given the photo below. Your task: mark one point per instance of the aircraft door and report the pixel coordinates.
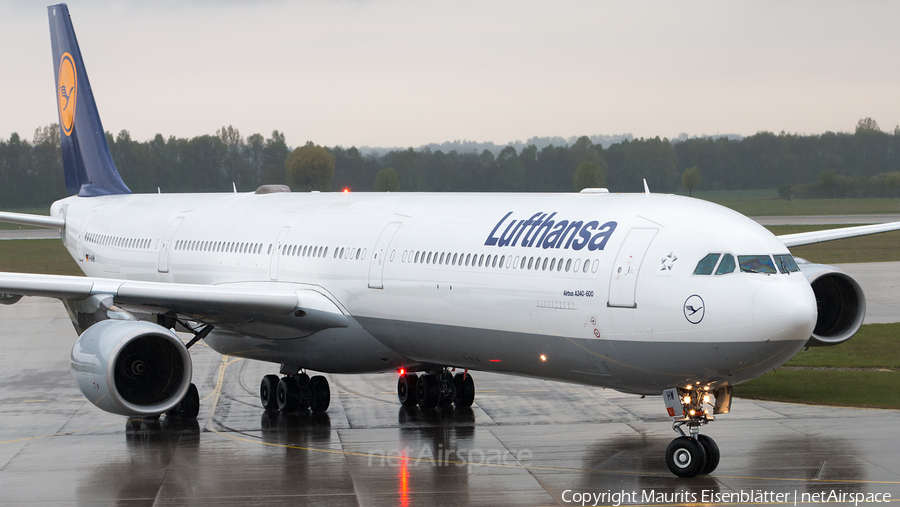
(166, 245)
(379, 256)
(623, 281)
(276, 253)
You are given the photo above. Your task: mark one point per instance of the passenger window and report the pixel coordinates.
(786, 263)
(481, 260)
(706, 264)
(587, 264)
(756, 264)
(726, 266)
(568, 265)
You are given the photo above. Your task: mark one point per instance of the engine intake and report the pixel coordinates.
(840, 301)
(131, 368)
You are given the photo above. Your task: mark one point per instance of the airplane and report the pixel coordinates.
(643, 293)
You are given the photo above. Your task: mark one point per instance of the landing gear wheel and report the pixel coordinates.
(685, 457)
(465, 390)
(288, 394)
(189, 406)
(267, 389)
(712, 454)
(428, 391)
(448, 388)
(303, 385)
(406, 389)
(319, 394)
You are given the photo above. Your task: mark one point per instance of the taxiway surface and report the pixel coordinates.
(524, 442)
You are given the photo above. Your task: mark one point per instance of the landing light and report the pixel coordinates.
(705, 398)
(543, 357)
(687, 400)
(692, 412)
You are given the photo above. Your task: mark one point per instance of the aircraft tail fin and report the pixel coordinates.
(87, 162)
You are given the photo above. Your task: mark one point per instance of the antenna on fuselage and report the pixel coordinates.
(234, 187)
(646, 188)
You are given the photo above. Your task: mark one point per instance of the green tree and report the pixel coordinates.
(589, 175)
(690, 179)
(386, 181)
(310, 167)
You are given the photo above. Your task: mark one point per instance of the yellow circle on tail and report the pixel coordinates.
(67, 92)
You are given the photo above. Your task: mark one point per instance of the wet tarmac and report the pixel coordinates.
(524, 442)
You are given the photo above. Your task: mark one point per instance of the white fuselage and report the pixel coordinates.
(471, 281)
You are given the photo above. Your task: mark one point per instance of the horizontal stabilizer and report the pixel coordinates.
(32, 220)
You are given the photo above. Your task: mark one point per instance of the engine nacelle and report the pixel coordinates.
(131, 368)
(839, 300)
(9, 299)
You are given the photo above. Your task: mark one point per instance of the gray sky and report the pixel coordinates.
(406, 73)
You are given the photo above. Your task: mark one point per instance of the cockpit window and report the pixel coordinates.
(786, 263)
(726, 266)
(706, 264)
(756, 264)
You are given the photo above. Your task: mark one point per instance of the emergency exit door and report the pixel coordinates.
(623, 281)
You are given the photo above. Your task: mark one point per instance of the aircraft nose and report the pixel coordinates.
(784, 311)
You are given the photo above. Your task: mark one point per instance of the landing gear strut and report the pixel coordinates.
(291, 393)
(693, 454)
(436, 388)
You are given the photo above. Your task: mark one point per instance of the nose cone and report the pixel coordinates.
(784, 310)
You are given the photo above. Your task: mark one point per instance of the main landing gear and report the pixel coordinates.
(189, 406)
(693, 454)
(291, 393)
(440, 387)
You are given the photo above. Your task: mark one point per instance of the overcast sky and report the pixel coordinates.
(406, 73)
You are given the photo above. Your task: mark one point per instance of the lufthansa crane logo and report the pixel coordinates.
(694, 309)
(67, 93)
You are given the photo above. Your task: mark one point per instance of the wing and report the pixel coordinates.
(276, 311)
(809, 238)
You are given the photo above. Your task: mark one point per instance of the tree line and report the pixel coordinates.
(864, 162)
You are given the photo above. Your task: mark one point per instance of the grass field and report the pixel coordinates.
(46, 256)
(869, 373)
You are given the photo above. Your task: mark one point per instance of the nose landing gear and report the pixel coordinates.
(693, 454)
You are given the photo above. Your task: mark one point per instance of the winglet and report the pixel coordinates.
(646, 188)
(87, 162)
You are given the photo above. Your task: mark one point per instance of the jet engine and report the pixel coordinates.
(131, 368)
(839, 300)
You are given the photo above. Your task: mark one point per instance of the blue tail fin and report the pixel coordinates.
(88, 164)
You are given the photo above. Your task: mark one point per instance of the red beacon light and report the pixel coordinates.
(402, 370)
(346, 190)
